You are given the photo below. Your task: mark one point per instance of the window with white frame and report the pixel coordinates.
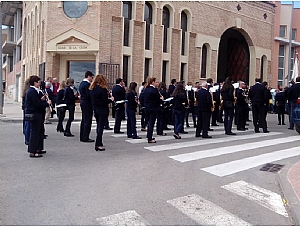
(282, 31)
(281, 64)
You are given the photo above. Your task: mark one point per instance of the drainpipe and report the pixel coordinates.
(289, 77)
(1, 79)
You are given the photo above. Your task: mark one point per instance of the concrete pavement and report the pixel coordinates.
(289, 176)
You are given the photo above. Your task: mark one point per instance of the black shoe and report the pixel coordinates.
(108, 128)
(247, 124)
(176, 136)
(290, 128)
(151, 141)
(210, 129)
(198, 135)
(26, 143)
(41, 152)
(68, 134)
(60, 130)
(119, 132)
(257, 131)
(241, 129)
(88, 141)
(187, 125)
(214, 125)
(206, 137)
(167, 128)
(129, 137)
(36, 155)
(184, 132)
(99, 149)
(283, 124)
(266, 131)
(230, 134)
(279, 123)
(137, 137)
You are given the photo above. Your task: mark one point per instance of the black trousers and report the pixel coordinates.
(259, 114)
(119, 115)
(36, 139)
(71, 110)
(86, 121)
(240, 116)
(203, 123)
(280, 112)
(101, 118)
(215, 114)
(144, 118)
(151, 121)
(61, 113)
(131, 123)
(160, 124)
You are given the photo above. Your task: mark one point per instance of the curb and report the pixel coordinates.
(9, 120)
(290, 196)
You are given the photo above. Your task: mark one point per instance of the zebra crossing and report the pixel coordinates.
(205, 212)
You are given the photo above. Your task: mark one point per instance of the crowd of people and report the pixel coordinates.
(209, 104)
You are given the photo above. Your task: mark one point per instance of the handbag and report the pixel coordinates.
(228, 104)
(29, 117)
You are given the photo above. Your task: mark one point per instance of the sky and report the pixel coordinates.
(296, 3)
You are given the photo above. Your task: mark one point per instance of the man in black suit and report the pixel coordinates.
(258, 97)
(241, 107)
(280, 101)
(204, 111)
(170, 91)
(86, 108)
(118, 92)
(293, 94)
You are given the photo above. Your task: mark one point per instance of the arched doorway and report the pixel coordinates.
(234, 56)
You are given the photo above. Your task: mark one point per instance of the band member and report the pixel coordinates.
(61, 106)
(267, 101)
(71, 95)
(241, 107)
(209, 82)
(179, 102)
(86, 108)
(293, 94)
(228, 105)
(170, 91)
(132, 102)
(48, 108)
(34, 104)
(192, 93)
(152, 100)
(221, 110)
(144, 119)
(204, 111)
(55, 85)
(280, 100)
(118, 92)
(162, 116)
(217, 103)
(258, 98)
(100, 98)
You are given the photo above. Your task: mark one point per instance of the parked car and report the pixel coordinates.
(297, 116)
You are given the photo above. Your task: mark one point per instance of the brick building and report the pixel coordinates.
(183, 40)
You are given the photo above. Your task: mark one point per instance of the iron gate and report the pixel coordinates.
(111, 71)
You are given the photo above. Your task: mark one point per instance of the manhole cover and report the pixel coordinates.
(270, 167)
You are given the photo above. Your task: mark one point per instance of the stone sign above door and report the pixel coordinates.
(73, 42)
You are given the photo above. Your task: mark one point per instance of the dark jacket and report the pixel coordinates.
(294, 92)
(258, 94)
(33, 102)
(171, 89)
(280, 99)
(151, 98)
(228, 94)
(70, 97)
(84, 92)
(240, 98)
(99, 98)
(204, 100)
(118, 92)
(131, 101)
(50, 94)
(60, 97)
(178, 100)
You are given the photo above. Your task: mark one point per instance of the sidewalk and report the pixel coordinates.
(289, 177)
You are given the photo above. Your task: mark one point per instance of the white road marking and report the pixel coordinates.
(263, 197)
(231, 149)
(205, 212)
(127, 218)
(228, 168)
(183, 136)
(208, 141)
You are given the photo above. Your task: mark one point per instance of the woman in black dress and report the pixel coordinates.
(100, 98)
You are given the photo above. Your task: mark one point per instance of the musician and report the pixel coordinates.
(241, 107)
(162, 117)
(228, 105)
(26, 124)
(51, 97)
(204, 111)
(280, 100)
(144, 119)
(100, 99)
(55, 85)
(179, 102)
(209, 82)
(192, 105)
(34, 104)
(119, 93)
(86, 107)
(132, 102)
(170, 91)
(43, 93)
(61, 110)
(293, 94)
(258, 97)
(152, 100)
(217, 103)
(268, 98)
(71, 95)
(221, 110)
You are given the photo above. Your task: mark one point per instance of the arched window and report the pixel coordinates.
(203, 61)
(127, 14)
(148, 20)
(166, 24)
(184, 30)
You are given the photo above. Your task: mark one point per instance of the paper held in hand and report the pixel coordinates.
(168, 100)
(121, 101)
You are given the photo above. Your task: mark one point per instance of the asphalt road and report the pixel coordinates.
(145, 184)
